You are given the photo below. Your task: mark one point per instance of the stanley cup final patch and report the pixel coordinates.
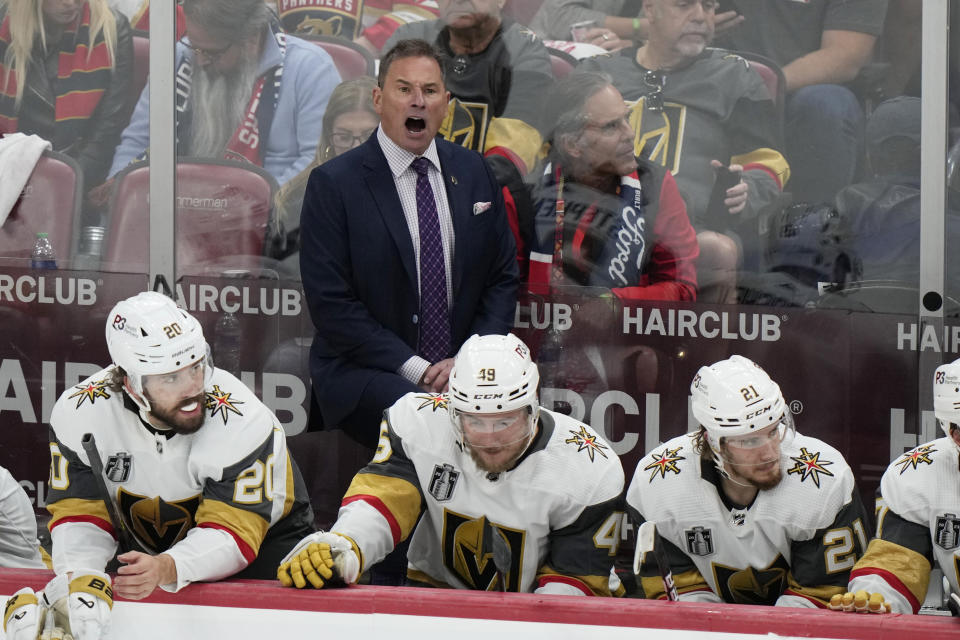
(947, 535)
(118, 467)
(443, 482)
(699, 541)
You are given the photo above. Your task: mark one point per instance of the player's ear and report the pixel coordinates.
(955, 433)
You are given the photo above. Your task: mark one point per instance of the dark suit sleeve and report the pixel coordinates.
(341, 319)
(495, 311)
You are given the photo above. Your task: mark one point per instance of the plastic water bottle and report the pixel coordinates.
(226, 344)
(42, 256)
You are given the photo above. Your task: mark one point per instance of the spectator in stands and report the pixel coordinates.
(884, 210)
(382, 17)
(497, 71)
(624, 224)
(371, 268)
(245, 91)
(820, 45)
(347, 123)
(616, 22)
(65, 71)
(490, 488)
(694, 111)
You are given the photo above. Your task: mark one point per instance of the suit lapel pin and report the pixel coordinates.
(453, 179)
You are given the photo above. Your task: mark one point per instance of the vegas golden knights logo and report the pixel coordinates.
(948, 531)
(750, 585)
(158, 524)
(469, 554)
(466, 124)
(659, 134)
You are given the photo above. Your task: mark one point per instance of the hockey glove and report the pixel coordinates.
(321, 560)
(21, 616)
(859, 602)
(77, 608)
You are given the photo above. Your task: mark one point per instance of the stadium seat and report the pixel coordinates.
(49, 203)
(352, 60)
(223, 211)
(141, 66)
(561, 62)
(772, 76)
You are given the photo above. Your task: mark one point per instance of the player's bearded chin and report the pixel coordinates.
(178, 423)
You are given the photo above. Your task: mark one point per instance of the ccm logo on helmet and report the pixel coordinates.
(119, 322)
(487, 396)
(757, 413)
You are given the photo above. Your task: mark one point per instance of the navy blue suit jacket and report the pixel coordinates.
(359, 268)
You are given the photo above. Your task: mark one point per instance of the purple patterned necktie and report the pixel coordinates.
(434, 323)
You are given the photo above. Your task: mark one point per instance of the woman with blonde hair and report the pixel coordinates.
(347, 123)
(65, 73)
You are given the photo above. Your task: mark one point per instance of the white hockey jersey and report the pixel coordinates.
(794, 545)
(556, 508)
(19, 546)
(918, 523)
(208, 498)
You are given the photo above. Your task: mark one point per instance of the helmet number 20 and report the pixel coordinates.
(487, 375)
(172, 330)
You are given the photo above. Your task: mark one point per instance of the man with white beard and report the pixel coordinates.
(245, 91)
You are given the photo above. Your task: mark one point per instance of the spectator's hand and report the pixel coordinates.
(859, 602)
(727, 20)
(141, 574)
(603, 37)
(99, 196)
(437, 376)
(736, 199)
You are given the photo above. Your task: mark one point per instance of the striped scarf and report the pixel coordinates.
(80, 84)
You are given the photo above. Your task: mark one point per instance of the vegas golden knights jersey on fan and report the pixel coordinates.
(918, 524)
(213, 499)
(495, 94)
(714, 108)
(556, 509)
(794, 546)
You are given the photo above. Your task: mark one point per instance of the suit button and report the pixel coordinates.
(415, 319)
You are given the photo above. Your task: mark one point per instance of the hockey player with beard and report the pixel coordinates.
(197, 466)
(498, 493)
(748, 511)
(918, 519)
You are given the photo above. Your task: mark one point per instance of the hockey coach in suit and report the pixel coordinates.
(406, 252)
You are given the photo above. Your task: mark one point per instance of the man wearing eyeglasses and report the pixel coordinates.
(703, 114)
(244, 91)
(747, 510)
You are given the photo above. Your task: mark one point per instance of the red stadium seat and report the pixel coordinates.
(562, 63)
(352, 60)
(223, 213)
(50, 202)
(772, 76)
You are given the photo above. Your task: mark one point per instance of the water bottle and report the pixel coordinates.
(226, 344)
(42, 256)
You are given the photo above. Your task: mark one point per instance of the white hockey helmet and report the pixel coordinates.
(946, 395)
(735, 397)
(148, 334)
(493, 374)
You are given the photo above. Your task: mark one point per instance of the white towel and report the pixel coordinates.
(19, 154)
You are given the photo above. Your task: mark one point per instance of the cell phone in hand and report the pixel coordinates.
(578, 30)
(717, 216)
